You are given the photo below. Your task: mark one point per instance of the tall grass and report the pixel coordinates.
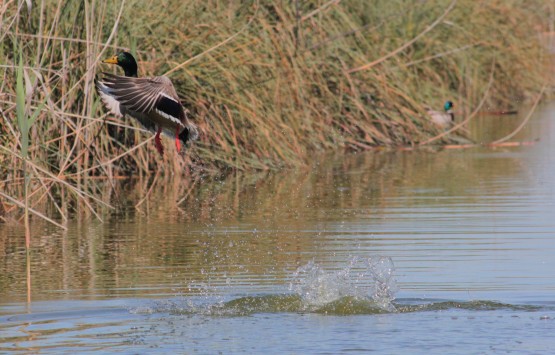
(269, 83)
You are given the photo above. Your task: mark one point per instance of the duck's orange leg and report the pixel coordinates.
(158, 142)
(177, 141)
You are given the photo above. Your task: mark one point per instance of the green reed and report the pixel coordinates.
(23, 124)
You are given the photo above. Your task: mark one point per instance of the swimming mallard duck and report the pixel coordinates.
(152, 101)
(443, 119)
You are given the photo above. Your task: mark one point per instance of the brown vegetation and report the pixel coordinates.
(270, 83)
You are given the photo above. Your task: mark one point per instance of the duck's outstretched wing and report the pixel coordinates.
(142, 95)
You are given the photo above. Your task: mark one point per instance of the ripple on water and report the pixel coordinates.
(365, 286)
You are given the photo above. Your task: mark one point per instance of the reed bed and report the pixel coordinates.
(269, 84)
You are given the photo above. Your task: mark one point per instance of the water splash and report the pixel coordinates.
(363, 286)
(362, 279)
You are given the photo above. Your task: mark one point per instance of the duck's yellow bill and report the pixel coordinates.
(112, 60)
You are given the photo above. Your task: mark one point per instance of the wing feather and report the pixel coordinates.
(141, 94)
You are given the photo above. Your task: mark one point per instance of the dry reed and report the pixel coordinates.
(269, 83)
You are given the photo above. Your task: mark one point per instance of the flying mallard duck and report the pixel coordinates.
(152, 101)
(443, 119)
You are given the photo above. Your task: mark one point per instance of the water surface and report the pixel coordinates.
(429, 251)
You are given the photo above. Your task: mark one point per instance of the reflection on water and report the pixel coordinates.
(459, 226)
(454, 220)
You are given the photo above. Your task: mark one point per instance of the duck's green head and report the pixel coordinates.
(448, 106)
(124, 60)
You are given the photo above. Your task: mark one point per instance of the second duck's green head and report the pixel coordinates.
(126, 61)
(448, 106)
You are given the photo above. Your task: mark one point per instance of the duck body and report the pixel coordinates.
(443, 119)
(152, 101)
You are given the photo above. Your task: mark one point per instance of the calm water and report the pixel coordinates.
(393, 252)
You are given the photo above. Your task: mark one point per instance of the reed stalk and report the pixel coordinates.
(23, 124)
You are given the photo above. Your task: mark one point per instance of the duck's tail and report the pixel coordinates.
(190, 133)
